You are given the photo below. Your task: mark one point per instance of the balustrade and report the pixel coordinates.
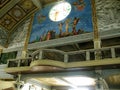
(66, 57)
(19, 62)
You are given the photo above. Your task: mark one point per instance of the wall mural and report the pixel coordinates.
(79, 21)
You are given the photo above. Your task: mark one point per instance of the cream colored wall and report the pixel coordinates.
(6, 84)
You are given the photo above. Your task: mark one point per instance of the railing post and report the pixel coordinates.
(65, 57)
(113, 52)
(40, 54)
(19, 61)
(97, 46)
(8, 63)
(87, 55)
(19, 54)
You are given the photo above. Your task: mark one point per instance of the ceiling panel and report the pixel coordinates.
(3, 3)
(12, 14)
(16, 14)
(7, 22)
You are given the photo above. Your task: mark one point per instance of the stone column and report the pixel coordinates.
(97, 47)
(96, 39)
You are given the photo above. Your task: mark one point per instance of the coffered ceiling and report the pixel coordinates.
(13, 12)
(3, 2)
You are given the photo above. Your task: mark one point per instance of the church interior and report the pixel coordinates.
(59, 45)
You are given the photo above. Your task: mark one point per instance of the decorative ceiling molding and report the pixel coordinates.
(12, 14)
(17, 14)
(3, 2)
(4, 9)
(7, 22)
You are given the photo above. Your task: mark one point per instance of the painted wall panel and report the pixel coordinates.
(79, 21)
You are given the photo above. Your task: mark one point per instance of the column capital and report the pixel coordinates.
(97, 43)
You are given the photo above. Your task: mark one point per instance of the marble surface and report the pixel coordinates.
(108, 12)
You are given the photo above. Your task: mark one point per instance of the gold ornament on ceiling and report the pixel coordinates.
(3, 2)
(7, 22)
(17, 13)
(27, 4)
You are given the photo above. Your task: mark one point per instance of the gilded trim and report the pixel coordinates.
(94, 18)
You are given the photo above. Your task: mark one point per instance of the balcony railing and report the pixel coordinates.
(81, 55)
(21, 62)
(105, 53)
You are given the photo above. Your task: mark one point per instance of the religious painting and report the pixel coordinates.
(62, 19)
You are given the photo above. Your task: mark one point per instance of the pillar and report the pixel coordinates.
(96, 38)
(97, 46)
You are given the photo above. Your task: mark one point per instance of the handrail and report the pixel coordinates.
(51, 50)
(92, 50)
(66, 55)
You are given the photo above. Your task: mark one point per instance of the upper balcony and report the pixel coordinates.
(47, 60)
